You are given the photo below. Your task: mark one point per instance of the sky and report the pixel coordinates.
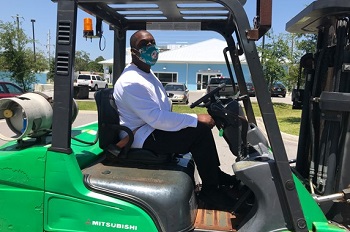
(44, 13)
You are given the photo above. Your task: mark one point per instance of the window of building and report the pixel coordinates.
(166, 77)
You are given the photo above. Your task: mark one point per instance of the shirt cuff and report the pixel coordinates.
(194, 121)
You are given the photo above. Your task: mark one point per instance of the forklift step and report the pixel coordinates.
(209, 219)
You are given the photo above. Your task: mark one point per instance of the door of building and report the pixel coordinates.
(203, 79)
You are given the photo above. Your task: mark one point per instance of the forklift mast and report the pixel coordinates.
(323, 155)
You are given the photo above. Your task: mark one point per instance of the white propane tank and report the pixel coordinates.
(29, 115)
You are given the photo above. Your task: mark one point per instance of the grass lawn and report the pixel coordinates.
(87, 105)
(288, 119)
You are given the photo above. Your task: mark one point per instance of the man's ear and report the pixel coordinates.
(134, 52)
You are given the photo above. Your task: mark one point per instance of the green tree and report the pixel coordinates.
(275, 58)
(14, 55)
(40, 63)
(300, 44)
(306, 43)
(2, 62)
(82, 61)
(281, 55)
(51, 74)
(291, 79)
(94, 66)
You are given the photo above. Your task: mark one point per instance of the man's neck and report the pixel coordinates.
(142, 66)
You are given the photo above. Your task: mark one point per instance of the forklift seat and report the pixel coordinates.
(109, 129)
(153, 182)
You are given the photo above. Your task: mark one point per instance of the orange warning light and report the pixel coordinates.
(88, 30)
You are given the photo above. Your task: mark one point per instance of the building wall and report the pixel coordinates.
(40, 77)
(187, 72)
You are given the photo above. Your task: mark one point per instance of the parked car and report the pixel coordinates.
(8, 89)
(177, 92)
(225, 93)
(278, 89)
(250, 89)
(94, 82)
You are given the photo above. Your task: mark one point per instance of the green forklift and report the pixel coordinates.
(57, 178)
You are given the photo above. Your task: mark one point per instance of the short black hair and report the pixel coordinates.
(133, 38)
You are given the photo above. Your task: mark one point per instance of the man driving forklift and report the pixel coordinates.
(144, 107)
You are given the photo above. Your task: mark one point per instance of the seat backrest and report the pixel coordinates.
(109, 129)
(108, 118)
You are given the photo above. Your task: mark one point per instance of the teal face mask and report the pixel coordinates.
(149, 54)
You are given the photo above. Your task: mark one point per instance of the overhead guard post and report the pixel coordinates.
(262, 20)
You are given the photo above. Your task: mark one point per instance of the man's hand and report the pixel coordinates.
(206, 119)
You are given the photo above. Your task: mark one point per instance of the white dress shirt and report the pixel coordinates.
(143, 103)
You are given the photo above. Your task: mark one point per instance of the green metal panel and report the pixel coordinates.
(21, 209)
(85, 153)
(69, 205)
(65, 213)
(325, 227)
(21, 188)
(314, 216)
(22, 168)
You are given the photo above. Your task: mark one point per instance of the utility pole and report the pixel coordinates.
(292, 46)
(48, 46)
(17, 21)
(262, 51)
(33, 21)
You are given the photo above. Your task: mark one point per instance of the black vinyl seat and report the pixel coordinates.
(109, 129)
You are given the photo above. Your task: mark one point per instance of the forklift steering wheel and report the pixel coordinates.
(209, 95)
